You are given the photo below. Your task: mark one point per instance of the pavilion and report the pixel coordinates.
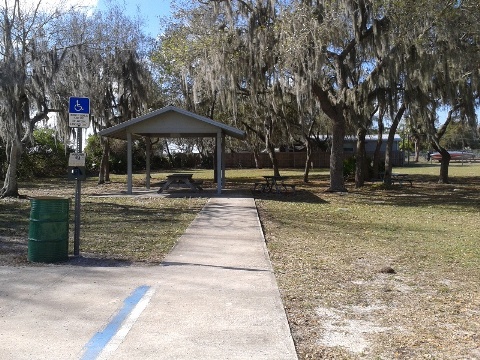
(172, 122)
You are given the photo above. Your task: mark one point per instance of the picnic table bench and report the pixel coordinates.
(274, 184)
(179, 180)
(395, 178)
(401, 178)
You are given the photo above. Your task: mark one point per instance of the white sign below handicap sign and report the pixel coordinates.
(77, 159)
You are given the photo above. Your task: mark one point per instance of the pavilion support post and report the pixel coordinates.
(219, 162)
(223, 160)
(129, 164)
(148, 150)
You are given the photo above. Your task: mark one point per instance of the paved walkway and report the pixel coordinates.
(214, 297)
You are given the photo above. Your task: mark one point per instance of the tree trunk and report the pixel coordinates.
(416, 141)
(104, 168)
(308, 161)
(309, 149)
(388, 152)
(10, 185)
(445, 161)
(387, 178)
(169, 154)
(273, 159)
(256, 157)
(268, 123)
(337, 182)
(107, 167)
(361, 163)
(335, 113)
(378, 147)
(444, 165)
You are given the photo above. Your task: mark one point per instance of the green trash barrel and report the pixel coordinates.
(48, 232)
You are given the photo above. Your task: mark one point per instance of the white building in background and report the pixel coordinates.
(350, 144)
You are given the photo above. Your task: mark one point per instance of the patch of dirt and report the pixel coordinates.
(350, 327)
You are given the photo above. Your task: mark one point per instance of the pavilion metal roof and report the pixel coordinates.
(171, 122)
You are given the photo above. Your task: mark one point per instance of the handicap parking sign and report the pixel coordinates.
(79, 112)
(79, 105)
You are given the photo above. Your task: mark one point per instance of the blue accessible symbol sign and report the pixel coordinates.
(79, 105)
(79, 112)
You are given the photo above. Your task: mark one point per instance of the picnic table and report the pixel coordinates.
(401, 178)
(395, 178)
(273, 184)
(181, 179)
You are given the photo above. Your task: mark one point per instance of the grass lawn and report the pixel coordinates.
(381, 274)
(374, 273)
(127, 229)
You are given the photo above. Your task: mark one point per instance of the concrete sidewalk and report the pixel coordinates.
(213, 297)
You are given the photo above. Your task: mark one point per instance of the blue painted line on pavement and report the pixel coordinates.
(98, 342)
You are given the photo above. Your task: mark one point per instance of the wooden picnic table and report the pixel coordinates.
(401, 178)
(274, 184)
(181, 178)
(395, 178)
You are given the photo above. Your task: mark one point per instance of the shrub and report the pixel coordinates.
(47, 157)
(349, 167)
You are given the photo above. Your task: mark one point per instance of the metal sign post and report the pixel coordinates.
(79, 117)
(78, 192)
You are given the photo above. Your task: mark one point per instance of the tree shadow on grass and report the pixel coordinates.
(120, 227)
(300, 196)
(90, 260)
(13, 251)
(426, 191)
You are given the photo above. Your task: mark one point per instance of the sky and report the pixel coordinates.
(149, 10)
